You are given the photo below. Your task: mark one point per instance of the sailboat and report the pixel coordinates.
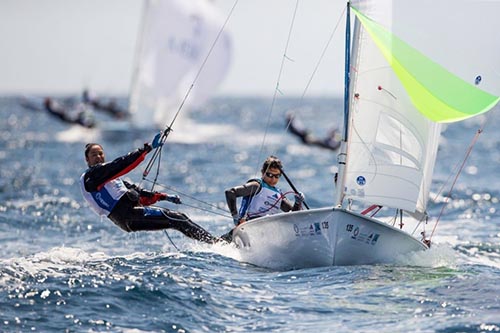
(177, 63)
(410, 66)
(176, 55)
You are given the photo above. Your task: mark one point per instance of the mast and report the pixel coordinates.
(341, 157)
(136, 69)
(346, 70)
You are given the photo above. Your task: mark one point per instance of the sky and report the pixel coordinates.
(64, 46)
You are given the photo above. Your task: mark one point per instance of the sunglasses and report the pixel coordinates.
(272, 175)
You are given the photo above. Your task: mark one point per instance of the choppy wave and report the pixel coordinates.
(64, 269)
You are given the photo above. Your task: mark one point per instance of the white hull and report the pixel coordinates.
(321, 237)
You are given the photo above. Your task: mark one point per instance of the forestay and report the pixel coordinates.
(416, 62)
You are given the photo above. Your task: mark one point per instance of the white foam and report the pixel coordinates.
(439, 255)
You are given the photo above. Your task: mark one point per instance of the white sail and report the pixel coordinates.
(175, 40)
(392, 145)
(414, 64)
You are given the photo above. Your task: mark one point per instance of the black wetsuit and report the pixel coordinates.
(122, 200)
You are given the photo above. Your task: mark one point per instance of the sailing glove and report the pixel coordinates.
(299, 197)
(173, 198)
(157, 141)
(147, 147)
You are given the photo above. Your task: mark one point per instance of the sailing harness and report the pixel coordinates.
(246, 202)
(261, 213)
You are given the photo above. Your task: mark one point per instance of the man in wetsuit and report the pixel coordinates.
(127, 205)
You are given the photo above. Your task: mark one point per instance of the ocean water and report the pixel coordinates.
(63, 269)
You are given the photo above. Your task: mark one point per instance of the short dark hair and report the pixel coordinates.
(271, 162)
(88, 146)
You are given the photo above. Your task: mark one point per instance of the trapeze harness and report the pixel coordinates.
(122, 203)
(266, 201)
(104, 200)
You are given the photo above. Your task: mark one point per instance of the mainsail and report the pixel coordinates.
(174, 42)
(414, 63)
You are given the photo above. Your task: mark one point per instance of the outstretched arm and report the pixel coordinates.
(100, 174)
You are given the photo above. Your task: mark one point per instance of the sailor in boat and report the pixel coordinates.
(331, 141)
(111, 107)
(126, 204)
(261, 196)
(81, 115)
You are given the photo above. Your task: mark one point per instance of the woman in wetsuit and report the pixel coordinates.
(126, 204)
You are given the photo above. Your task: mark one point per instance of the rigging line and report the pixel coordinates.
(418, 226)
(293, 186)
(203, 64)
(194, 199)
(168, 128)
(156, 153)
(320, 60)
(445, 183)
(209, 211)
(170, 239)
(149, 166)
(138, 50)
(447, 198)
(157, 169)
(276, 90)
(462, 165)
(322, 55)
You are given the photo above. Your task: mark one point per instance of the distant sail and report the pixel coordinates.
(174, 41)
